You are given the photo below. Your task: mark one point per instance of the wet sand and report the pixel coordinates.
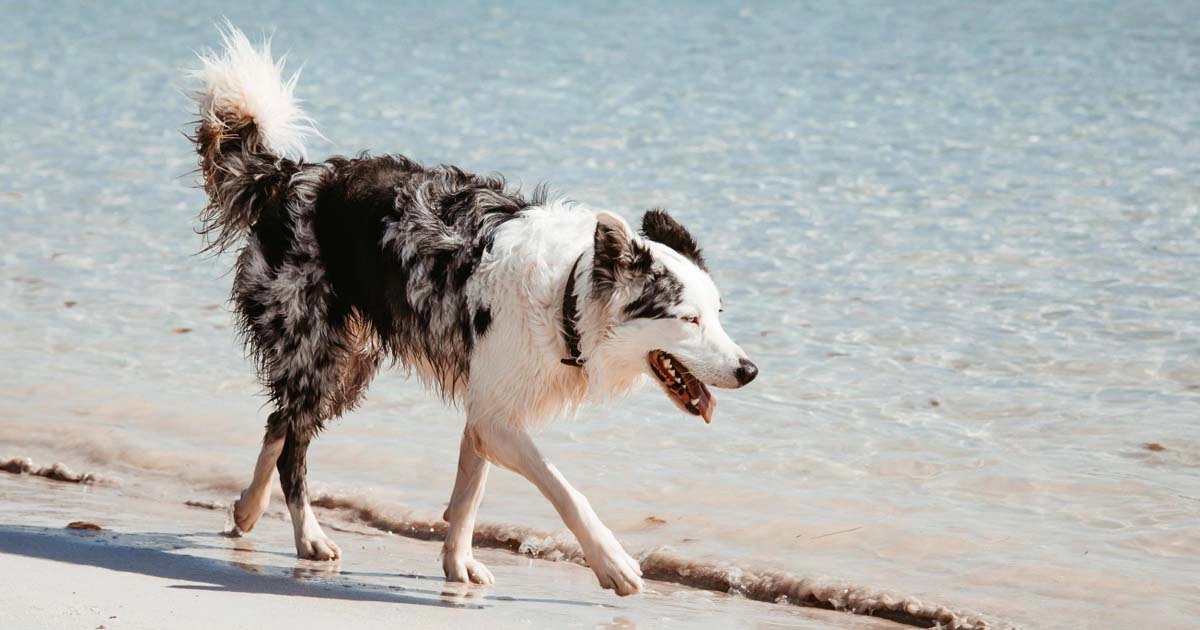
(157, 561)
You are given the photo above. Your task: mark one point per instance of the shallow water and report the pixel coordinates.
(960, 241)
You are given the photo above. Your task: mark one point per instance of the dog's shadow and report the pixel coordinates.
(158, 555)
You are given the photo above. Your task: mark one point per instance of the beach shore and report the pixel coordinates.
(156, 561)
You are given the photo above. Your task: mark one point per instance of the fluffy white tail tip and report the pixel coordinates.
(242, 84)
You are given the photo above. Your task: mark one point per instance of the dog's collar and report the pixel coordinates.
(570, 329)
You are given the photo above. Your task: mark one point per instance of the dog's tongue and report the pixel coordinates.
(707, 402)
(704, 400)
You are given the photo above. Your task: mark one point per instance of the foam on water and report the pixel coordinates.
(959, 239)
(57, 471)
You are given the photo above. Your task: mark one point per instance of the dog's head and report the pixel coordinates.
(662, 312)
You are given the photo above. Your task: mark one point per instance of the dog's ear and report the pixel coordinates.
(659, 226)
(618, 257)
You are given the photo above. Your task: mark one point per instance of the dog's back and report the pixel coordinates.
(366, 258)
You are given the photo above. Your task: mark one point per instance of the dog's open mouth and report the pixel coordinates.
(688, 393)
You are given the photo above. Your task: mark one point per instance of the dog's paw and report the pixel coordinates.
(247, 509)
(466, 569)
(614, 568)
(317, 547)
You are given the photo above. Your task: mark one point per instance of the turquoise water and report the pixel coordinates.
(959, 239)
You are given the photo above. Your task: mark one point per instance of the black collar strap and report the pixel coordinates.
(570, 329)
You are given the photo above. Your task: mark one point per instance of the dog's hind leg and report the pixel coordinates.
(311, 541)
(255, 498)
(458, 562)
(514, 449)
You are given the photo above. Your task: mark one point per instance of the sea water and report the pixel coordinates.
(960, 240)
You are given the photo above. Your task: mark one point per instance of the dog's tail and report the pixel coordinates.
(249, 121)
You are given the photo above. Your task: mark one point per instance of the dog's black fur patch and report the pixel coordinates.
(661, 293)
(482, 320)
(347, 262)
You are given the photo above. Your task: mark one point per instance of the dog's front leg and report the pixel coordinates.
(514, 449)
(255, 498)
(458, 562)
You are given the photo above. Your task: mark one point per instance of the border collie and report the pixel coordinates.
(518, 307)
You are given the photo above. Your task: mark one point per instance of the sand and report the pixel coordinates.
(157, 562)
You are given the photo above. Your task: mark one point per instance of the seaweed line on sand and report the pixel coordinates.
(666, 565)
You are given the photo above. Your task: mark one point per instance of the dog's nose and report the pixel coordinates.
(746, 372)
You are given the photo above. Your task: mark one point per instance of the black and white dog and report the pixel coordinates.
(519, 307)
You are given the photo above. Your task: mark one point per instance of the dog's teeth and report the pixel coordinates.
(696, 403)
(667, 362)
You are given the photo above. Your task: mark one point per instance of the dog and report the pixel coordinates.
(518, 307)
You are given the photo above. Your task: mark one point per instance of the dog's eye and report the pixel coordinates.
(691, 319)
